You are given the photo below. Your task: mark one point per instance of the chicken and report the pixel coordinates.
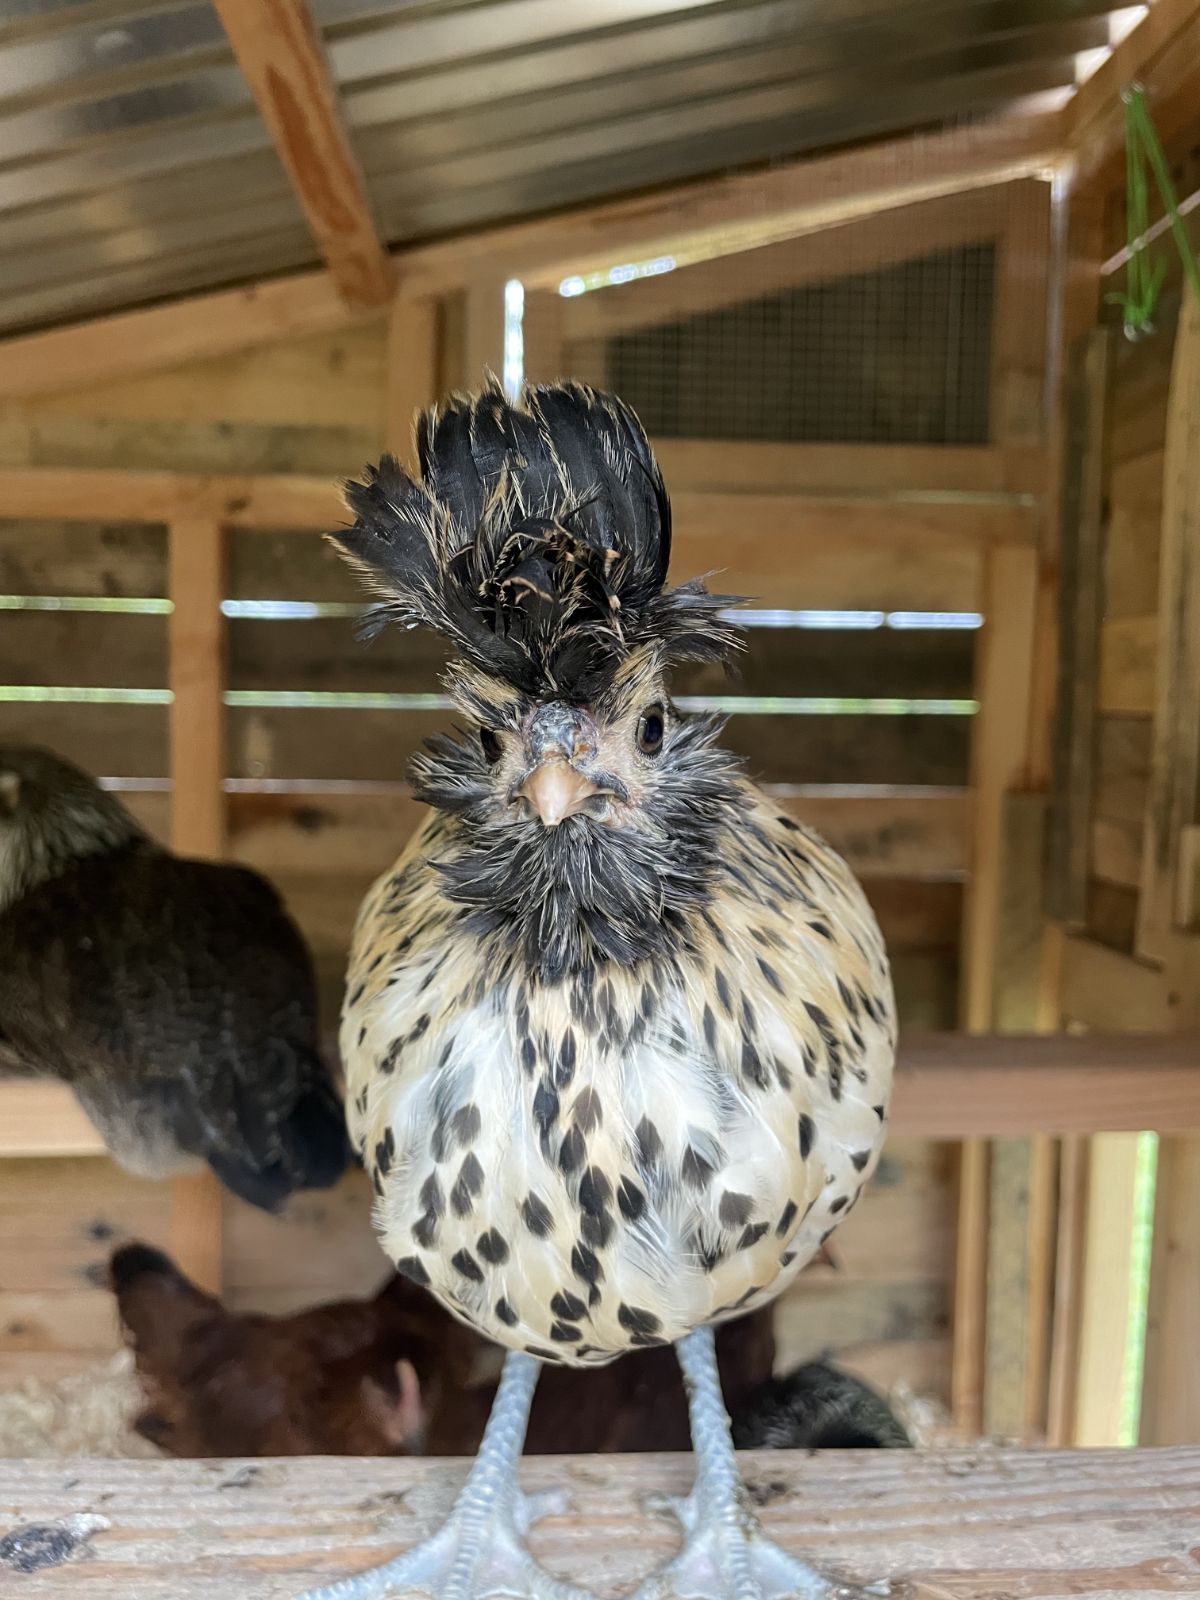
(618, 1036)
(397, 1374)
(394, 1374)
(176, 998)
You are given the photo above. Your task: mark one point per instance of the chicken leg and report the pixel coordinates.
(725, 1554)
(480, 1551)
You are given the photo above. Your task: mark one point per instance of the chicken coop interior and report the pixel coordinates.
(906, 298)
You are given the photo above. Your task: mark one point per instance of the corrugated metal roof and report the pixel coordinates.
(134, 165)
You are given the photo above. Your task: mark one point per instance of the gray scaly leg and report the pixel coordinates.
(480, 1551)
(725, 1554)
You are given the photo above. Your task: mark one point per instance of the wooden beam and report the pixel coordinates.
(279, 49)
(1162, 52)
(196, 582)
(718, 215)
(1101, 988)
(127, 343)
(948, 1086)
(236, 500)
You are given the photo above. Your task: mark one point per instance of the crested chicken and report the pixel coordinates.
(618, 1035)
(176, 998)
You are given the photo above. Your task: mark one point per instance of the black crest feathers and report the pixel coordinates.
(537, 541)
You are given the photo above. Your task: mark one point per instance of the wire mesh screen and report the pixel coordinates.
(901, 355)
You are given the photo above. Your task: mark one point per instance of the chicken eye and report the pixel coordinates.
(492, 748)
(650, 731)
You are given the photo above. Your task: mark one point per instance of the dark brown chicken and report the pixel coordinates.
(397, 1374)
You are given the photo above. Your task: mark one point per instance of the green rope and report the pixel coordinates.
(1144, 278)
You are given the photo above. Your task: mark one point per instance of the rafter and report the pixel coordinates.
(279, 49)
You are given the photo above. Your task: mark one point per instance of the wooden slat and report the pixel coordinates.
(1020, 326)
(1171, 1392)
(999, 756)
(1068, 1289)
(129, 342)
(1046, 1523)
(412, 369)
(543, 333)
(1175, 767)
(1080, 600)
(198, 758)
(279, 49)
(40, 1118)
(949, 1086)
(980, 473)
(282, 500)
(483, 332)
(1105, 1289)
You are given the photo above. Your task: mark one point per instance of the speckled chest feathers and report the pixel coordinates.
(618, 1035)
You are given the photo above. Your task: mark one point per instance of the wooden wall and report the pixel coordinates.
(316, 797)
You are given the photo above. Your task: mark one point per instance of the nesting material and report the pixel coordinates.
(84, 1414)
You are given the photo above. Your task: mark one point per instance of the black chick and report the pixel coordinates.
(176, 998)
(816, 1407)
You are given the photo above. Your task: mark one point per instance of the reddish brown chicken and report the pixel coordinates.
(397, 1374)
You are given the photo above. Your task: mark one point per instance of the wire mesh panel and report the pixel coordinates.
(901, 355)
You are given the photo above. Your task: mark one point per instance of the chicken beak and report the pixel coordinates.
(556, 791)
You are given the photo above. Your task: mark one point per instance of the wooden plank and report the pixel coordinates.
(412, 368)
(1105, 990)
(1068, 1279)
(194, 329)
(1105, 1300)
(1080, 600)
(198, 759)
(1020, 326)
(1051, 1523)
(1171, 1392)
(329, 380)
(1175, 765)
(738, 466)
(280, 51)
(949, 1086)
(241, 500)
(1128, 666)
(41, 1118)
(999, 755)
(1014, 1199)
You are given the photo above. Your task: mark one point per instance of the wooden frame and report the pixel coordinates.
(949, 1086)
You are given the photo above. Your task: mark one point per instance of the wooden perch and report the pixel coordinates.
(964, 1524)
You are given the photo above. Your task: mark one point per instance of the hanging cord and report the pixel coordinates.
(1144, 279)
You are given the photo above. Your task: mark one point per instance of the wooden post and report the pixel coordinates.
(998, 764)
(1166, 909)
(483, 331)
(543, 327)
(1104, 1302)
(197, 728)
(412, 371)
